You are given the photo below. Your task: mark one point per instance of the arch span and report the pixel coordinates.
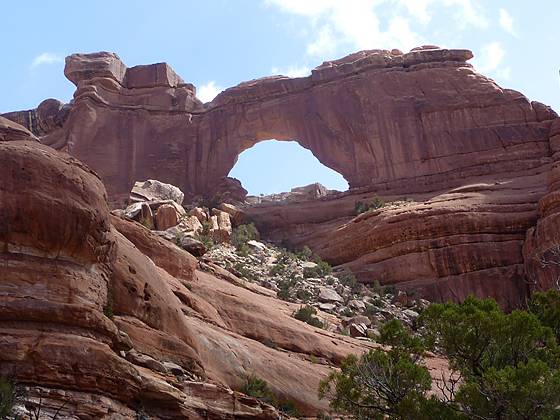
(401, 123)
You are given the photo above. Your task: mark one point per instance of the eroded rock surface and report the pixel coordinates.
(470, 159)
(99, 313)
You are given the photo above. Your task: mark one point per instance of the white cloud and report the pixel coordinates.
(418, 9)
(468, 13)
(491, 56)
(292, 71)
(46, 58)
(325, 43)
(208, 91)
(360, 24)
(490, 61)
(506, 22)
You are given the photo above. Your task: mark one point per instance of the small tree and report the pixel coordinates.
(307, 314)
(243, 234)
(381, 383)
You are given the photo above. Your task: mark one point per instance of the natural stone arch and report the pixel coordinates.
(386, 121)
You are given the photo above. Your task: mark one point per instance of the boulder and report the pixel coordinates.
(357, 304)
(193, 246)
(358, 330)
(237, 215)
(256, 245)
(327, 307)
(154, 190)
(221, 226)
(327, 294)
(199, 213)
(166, 217)
(145, 216)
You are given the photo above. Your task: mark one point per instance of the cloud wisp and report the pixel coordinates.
(506, 22)
(365, 24)
(208, 91)
(292, 71)
(45, 58)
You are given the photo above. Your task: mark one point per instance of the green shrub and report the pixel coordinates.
(285, 287)
(304, 295)
(10, 395)
(546, 307)
(243, 250)
(348, 279)
(307, 314)
(502, 366)
(288, 408)
(259, 389)
(362, 207)
(243, 271)
(322, 269)
(244, 233)
(304, 254)
(278, 269)
(205, 235)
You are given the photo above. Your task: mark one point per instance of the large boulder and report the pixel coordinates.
(154, 190)
(166, 217)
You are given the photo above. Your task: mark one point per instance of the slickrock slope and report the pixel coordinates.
(98, 313)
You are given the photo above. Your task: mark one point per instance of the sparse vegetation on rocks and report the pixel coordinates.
(502, 366)
(353, 308)
(364, 206)
(259, 389)
(307, 314)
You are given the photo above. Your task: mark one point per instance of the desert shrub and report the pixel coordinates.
(348, 279)
(243, 250)
(205, 235)
(546, 307)
(322, 269)
(285, 287)
(362, 207)
(377, 288)
(304, 253)
(259, 389)
(244, 233)
(307, 314)
(244, 271)
(278, 269)
(304, 295)
(381, 384)
(503, 366)
(288, 408)
(10, 395)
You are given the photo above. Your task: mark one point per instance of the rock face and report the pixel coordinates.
(100, 314)
(469, 160)
(410, 122)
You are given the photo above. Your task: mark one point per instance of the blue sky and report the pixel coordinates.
(218, 43)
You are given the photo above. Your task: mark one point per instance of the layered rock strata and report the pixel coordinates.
(104, 318)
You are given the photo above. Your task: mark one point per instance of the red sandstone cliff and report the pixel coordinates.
(473, 157)
(100, 314)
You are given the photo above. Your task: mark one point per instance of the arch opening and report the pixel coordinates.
(272, 167)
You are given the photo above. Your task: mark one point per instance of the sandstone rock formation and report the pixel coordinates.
(101, 315)
(469, 159)
(410, 122)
